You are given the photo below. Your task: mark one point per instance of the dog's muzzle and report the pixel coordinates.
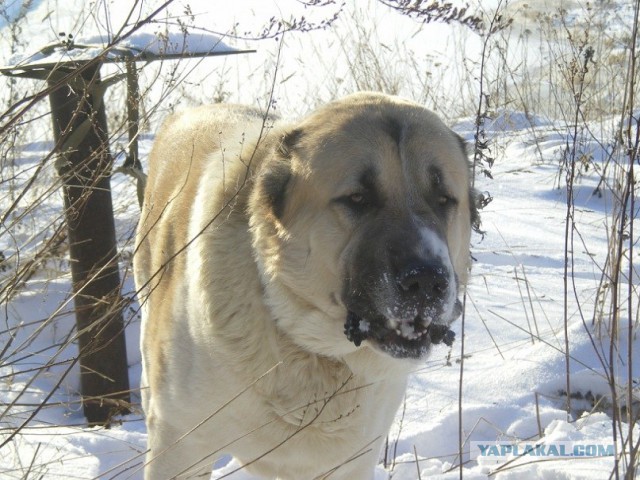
(417, 313)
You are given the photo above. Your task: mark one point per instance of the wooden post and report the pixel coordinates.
(84, 163)
(133, 113)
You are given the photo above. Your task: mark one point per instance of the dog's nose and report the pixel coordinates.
(423, 277)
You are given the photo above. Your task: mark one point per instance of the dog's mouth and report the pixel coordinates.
(409, 339)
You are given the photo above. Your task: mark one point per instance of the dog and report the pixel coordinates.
(290, 277)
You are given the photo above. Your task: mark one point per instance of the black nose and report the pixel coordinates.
(424, 278)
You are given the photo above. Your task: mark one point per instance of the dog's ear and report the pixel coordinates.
(288, 142)
(277, 175)
(476, 199)
(464, 146)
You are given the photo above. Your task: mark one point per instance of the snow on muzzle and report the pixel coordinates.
(403, 314)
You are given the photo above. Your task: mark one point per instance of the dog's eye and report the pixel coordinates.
(357, 201)
(446, 201)
(356, 198)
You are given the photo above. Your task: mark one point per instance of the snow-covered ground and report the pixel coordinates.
(514, 373)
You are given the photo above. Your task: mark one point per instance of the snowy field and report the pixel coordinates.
(518, 319)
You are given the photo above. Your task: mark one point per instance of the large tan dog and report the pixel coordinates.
(290, 279)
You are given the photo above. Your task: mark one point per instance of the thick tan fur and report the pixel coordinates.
(240, 265)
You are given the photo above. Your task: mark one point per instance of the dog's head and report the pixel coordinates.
(361, 218)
